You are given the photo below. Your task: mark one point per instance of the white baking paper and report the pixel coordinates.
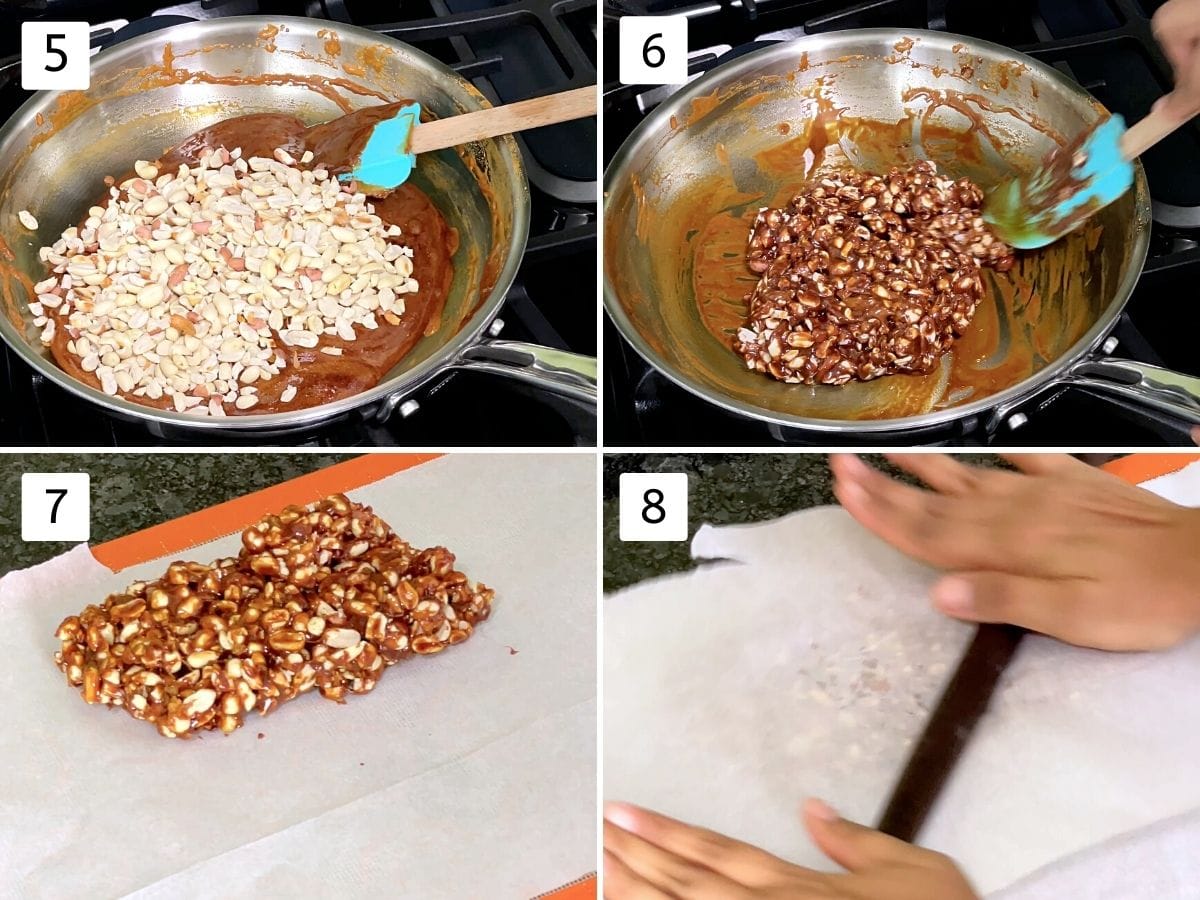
(467, 774)
(1157, 862)
(806, 663)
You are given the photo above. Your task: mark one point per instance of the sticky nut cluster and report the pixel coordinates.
(866, 275)
(321, 597)
(192, 284)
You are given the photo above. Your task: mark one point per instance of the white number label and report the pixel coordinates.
(55, 56)
(56, 506)
(654, 506)
(653, 50)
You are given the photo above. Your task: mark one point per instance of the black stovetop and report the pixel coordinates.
(1105, 45)
(511, 51)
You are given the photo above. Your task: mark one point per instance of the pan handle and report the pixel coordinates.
(559, 371)
(1143, 384)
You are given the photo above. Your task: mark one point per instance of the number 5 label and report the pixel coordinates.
(653, 49)
(56, 506)
(55, 56)
(654, 506)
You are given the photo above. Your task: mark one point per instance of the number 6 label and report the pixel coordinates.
(56, 506)
(654, 506)
(653, 50)
(55, 56)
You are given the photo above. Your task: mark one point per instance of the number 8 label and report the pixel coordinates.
(654, 506)
(652, 512)
(653, 49)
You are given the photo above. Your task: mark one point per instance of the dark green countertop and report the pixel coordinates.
(135, 491)
(723, 489)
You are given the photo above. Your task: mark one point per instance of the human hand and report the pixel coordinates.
(651, 857)
(1177, 28)
(1058, 547)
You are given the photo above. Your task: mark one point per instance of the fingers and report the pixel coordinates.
(622, 883)
(918, 523)
(939, 471)
(1196, 435)
(1061, 608)
(1044, 463)
(732, 859)
(1176, 48)
(990, 525)
(948, 475)
(1183, 102)
(1067, 609)
(1043, 605)
(850, 845)
(652, 866)
(1177, 28)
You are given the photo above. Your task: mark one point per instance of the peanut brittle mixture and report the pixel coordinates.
(238, 275)
(187, 285)
(866, 275)
(324, 597)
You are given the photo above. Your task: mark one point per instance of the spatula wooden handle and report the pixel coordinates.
(1143, 135)
(497, 120)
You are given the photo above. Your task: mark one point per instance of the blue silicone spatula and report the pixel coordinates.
(1076, 181)
(389, 155)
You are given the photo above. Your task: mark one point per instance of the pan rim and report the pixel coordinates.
(618, 171)
(441, 360)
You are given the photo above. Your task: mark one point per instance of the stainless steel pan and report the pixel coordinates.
(718, 148)
(151, 91)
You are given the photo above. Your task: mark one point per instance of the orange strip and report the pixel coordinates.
(585, 890)
(208, 524)
(1139, 467)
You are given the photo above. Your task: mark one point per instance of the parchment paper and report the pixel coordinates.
(806, 664)
(467, 774)
(1158, 862)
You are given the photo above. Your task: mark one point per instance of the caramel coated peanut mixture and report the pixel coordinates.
(324, 597)
(186, 282)
(866, 275)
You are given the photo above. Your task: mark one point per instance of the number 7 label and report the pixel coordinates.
(56, 506)
(653, 49)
